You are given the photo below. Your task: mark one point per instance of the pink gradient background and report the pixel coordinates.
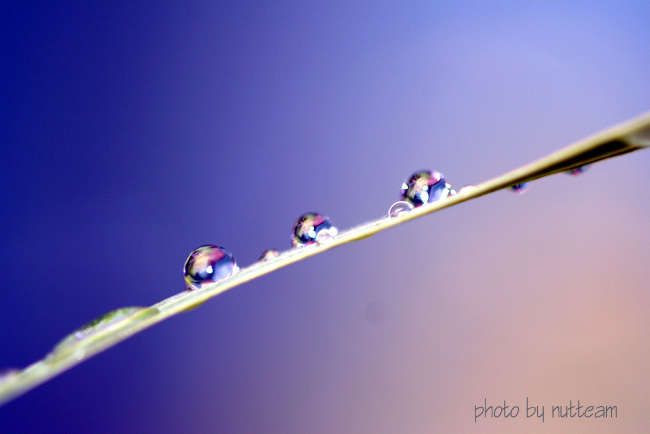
(133, 134)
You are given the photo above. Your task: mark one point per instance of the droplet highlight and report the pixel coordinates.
(578, 170)
(208, 264)
(399, 208)
(425, 186)
(312, 228)
(520, 188)
(269, 254)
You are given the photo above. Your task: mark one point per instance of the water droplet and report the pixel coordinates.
(425, 186)
(208, 264)
(578, 170)
(467, 189)
(399, 208)
(79, 354)
(103, 322)
(520, 188)
(312, 228)
(269, 254)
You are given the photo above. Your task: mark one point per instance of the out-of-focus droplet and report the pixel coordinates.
(425, 186)
(399, 208)
(578, 170)
(312, 228)
(269, 254)
(208, 264)
(104, 322)
(520, 188)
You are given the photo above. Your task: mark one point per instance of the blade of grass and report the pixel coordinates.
(620, 139)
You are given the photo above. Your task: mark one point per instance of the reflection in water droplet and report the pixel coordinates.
(269, 254)
(79, 354)
(208, 264)
(99, 324)
(312, 228)
(399, 208)
(578, 170)
(520, 188)
(425, 186)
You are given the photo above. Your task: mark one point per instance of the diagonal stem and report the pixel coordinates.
(618, 140)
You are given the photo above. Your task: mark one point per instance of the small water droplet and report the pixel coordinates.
(269, 254)
(208, 264)
(425, 186)
(324, 236)
(79, 354)
(467, 189)
(312, 228)
(107, 320)
(578, 170)
(399, 208)
(520, 188)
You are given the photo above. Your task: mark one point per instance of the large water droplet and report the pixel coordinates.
(312, 228)
(208, 264)
(578, 170)
(399, 208)
(269, 254)
(520, 188)
(425, 186)
(102, 323)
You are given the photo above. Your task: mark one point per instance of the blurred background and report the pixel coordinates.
(132, 133)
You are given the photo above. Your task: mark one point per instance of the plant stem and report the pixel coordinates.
(621, 139)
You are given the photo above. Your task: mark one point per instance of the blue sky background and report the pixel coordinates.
(131, 133)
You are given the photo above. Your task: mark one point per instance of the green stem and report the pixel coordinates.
(117, 326)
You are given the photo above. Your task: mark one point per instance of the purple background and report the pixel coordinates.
(132, 133)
